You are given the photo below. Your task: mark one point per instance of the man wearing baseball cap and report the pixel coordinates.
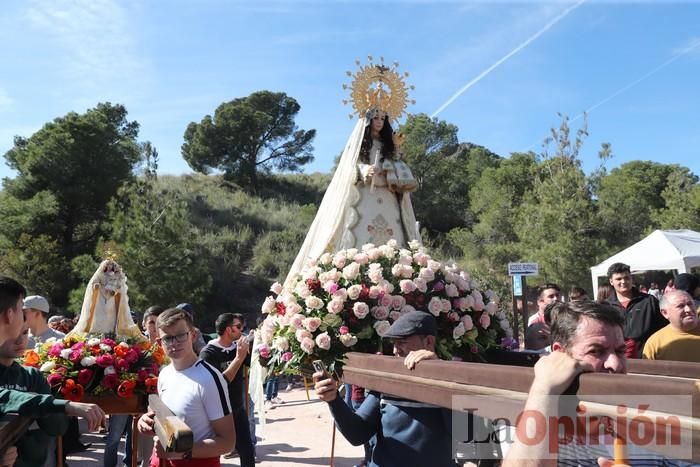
(36, 315)
(404, 433)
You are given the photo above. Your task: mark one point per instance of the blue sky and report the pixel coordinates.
(172, 62)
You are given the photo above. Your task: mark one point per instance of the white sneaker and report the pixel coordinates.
(269, 405)
(290, 386)
(277, 400)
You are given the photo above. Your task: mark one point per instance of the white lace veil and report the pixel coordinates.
(328, 223)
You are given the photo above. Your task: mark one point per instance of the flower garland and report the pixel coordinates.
(346, 301)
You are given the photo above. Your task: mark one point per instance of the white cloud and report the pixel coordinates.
(93, 43)
(692, 45)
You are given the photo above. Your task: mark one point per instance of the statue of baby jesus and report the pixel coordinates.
(106, 304)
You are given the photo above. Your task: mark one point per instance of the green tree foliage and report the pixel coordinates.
(67, 173)
(495, 198)
(557, 224)
(681, 198)
(444, 169)
(248, 135)
(628, 197)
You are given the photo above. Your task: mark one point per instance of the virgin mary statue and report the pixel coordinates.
(368, 199)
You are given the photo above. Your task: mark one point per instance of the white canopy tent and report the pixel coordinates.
(661, 251)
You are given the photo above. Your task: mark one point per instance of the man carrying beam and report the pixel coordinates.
(404, 433)
(195, 392)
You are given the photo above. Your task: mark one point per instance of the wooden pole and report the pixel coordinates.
(524, 306)
(134, 439)
(332, 446)
(620, 451)
(306, 387)
(59, 451)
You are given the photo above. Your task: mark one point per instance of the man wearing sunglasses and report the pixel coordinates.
(228, 353)
(196, 393)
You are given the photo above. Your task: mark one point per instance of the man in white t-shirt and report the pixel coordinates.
(196, 393)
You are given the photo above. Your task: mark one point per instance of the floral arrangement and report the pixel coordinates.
(97, 365)
(346, 302)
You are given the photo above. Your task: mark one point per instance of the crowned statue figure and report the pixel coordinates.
(105, 307)
(368, 199)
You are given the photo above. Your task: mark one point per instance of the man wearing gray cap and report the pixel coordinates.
(404, 433)
(36, 314)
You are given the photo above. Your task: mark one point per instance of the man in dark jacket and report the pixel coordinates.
(408, 433)
(641, 311)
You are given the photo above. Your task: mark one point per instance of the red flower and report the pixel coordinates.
(121, 364)
(281, 309)
(131, 356)
(71, 391)
(126, 389)
(54, 379)
(85, 376)
(364, 293)
(313, 284)
(142, 374)
(152, 385)
(121, 350)
(105, 360)
(110, 381)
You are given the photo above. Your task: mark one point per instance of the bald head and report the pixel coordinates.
(679, 309)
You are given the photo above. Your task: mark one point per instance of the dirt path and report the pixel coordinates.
(297, 433)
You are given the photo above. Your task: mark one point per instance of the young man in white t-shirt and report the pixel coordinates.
(196, 393)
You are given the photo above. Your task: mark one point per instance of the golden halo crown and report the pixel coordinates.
(376, 86)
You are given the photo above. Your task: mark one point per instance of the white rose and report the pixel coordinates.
(354, 292)
(323, 341)
(381, 327)
(110, 370)
(348, 340)
(48, 366)
(88, 361)
(325, 259)
(281, 344)
(360, 309)
(269, 305)
(105, 348)
(451, 290)
(65, 353)
(93, 342)
(367, 246)
(435, 306)
(351, 271)
(392, 243)
(414, 245)
(314, 303)
(458, 331)
(434, 265)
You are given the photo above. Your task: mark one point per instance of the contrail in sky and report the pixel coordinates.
(685, 51)
(694, 45)
(508, 55)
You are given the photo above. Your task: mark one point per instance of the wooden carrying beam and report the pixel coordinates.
(436, 382)
(175, 436)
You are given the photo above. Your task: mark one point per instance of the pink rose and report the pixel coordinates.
(307, 345)
(302, 334)
(468, 323)
(312, 324)
(323, 341)
(287, 356)
(334, 307)
(361, 258)
(343, 330)
(360, 309)
(104, 360)
(54, 379)
(330, 286)
(375, 272)
(397, 302)
(78, 345)
(385, 300)
(276, 288)
(453, 316)
(109, 342)
(381, 327)
(76, 355)
(451, 290)
(142, 374)
(374, 292)
(339, 260)
(459, 303)
(485, 320)
(491, 308)
(421, 259)
(297, 321)
(446, 305)
(264, 351)
(435, 306)
(380, 312)
(56, 349)
(407, 309)
(394, 315)
(438, 286)
(434, 265)
(121, 364)
(407, 286)
(426, 274)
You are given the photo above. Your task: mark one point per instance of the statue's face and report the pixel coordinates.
(111, 278)
(378, 121)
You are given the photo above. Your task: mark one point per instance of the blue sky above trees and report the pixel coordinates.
(173, 62)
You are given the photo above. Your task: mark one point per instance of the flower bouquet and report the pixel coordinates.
(97, 365)
(346, 301)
